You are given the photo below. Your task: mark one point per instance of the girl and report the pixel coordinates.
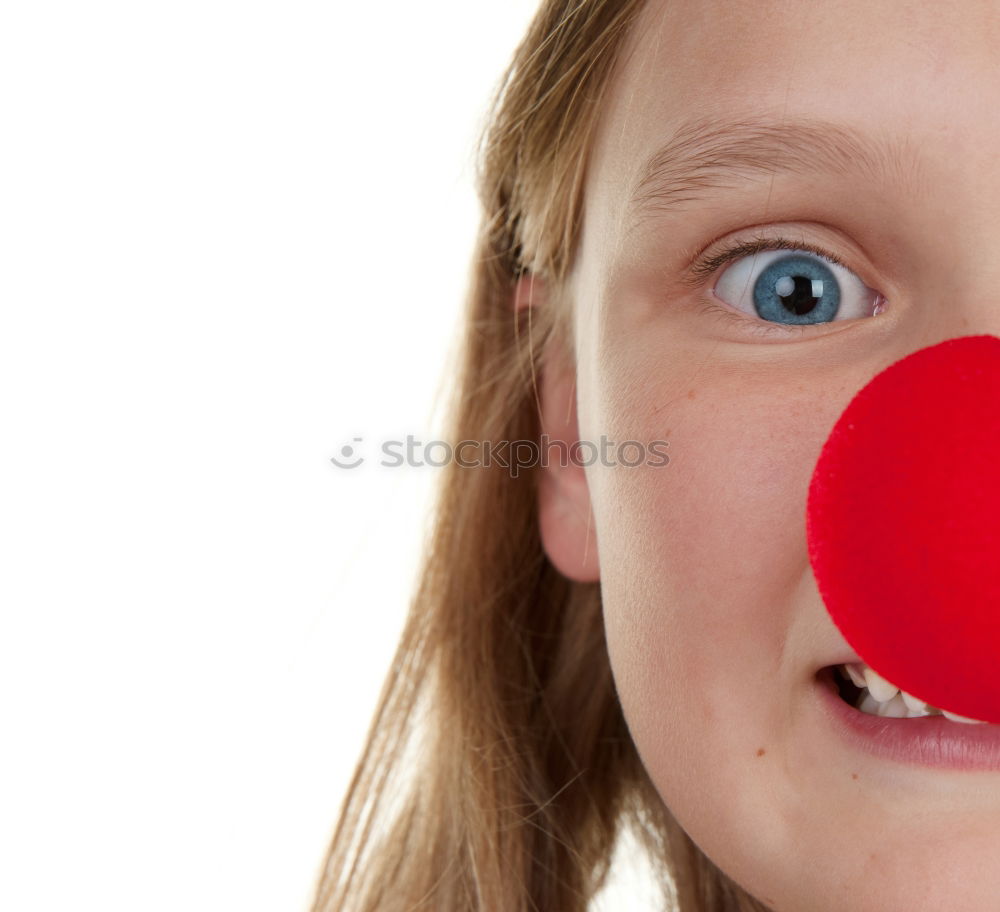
(616, 645)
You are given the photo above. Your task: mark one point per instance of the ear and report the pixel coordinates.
(565, 516)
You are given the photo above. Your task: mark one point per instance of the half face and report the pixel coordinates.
(852, 145)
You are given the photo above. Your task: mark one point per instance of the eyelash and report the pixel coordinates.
(707, 266)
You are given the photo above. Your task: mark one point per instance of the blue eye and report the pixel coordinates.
(795, 288)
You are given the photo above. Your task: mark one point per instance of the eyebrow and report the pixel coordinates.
(707, 155)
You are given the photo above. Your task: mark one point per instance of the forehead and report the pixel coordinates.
(899, 77)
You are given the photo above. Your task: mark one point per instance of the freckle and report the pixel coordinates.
(690, 394)
(760, 752)
(854, 775)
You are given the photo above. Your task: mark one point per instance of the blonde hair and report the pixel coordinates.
(499, 772)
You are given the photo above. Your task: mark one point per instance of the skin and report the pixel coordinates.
(715, 626)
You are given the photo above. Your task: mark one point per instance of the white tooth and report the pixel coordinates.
(854, 671)
(957, 718)
(880, 688)
(868, 704)
(912, 702)
(893, 709)
(916, 714)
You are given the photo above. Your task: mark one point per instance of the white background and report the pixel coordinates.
(233, 237)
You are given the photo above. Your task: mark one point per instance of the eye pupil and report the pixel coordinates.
(799, 294)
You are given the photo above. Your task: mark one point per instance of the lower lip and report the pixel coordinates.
(925, 741)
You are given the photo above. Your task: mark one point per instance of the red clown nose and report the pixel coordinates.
(903, 525)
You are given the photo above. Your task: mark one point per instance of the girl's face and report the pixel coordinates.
(868, 131)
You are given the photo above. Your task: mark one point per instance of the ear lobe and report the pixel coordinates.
(528, 292)
(565, 516)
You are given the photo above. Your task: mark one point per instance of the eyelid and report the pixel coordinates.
(758, 328)
(703, 268)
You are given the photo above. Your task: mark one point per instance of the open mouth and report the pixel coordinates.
(848, 690)
(875, 716)
(868, 692)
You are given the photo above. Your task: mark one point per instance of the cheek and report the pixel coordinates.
(703, 568)
(718, 535)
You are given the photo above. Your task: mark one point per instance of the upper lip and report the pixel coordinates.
(846, 659)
